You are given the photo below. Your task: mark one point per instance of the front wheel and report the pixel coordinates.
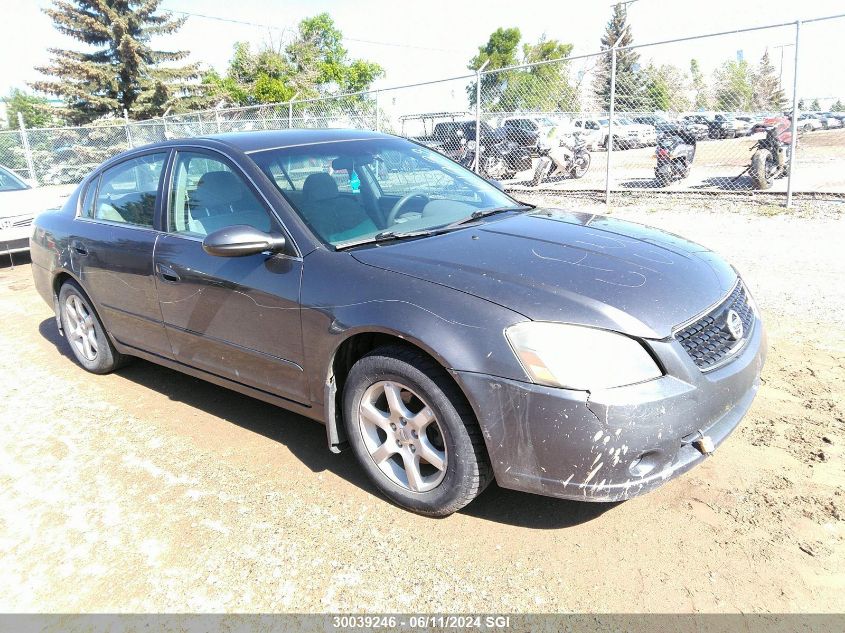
(85, 332)
(413, 432)
(762, 169)
(580, 164)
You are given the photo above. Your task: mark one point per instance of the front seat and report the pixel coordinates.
(334, 217)
(218, 193)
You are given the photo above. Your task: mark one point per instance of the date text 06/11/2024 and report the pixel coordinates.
(421, 621)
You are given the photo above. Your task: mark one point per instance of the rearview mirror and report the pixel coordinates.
(239, 240)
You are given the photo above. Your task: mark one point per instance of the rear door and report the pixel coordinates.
(113, 250)
(235, 317)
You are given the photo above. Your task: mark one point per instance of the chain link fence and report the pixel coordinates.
(639, 118)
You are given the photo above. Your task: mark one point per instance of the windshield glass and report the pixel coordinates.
(10, 182)
(348, 191)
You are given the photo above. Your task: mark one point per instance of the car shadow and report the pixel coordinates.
(306, 440)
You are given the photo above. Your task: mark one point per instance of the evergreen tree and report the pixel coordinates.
(801, 105)
(120, 70)
(629, 92)
(815, 106)
(766, 92)
(837, 106)
(701, 99)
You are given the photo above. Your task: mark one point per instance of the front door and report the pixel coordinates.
(235, 317)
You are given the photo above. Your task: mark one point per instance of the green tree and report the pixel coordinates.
(837, 106)
(629, 91)
(801, 104)
(500, 51)
(815, 106)
(119, 70)
(733, 86)
(36, 111)
(314, 63)
(701, 99)
(321, 63)
(665, 89)
(766, 93)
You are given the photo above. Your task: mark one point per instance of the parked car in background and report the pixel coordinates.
(444, 332)
(750, 121)
(20, 202)
(719, 125)
(626, 133)
(808, 122)
(828, 120)
(527, 132)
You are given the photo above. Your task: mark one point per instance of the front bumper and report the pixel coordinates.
(613, 444)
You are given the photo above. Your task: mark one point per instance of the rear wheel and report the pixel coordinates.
(85, 332)
(413, 432)
(762, 169)
(580, 164)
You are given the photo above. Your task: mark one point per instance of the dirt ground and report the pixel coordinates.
(819, 159)
(147, 490)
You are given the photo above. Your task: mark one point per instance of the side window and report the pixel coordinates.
(207, 195)
(86, 209)
(127, 192)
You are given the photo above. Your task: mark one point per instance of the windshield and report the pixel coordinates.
(10, 182)
(349, 191)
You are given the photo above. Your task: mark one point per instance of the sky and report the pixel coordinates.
(422, 41)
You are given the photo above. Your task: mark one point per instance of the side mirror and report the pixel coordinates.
(239, 240)
(496, 184)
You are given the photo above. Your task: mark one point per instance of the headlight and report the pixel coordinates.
(577, 357)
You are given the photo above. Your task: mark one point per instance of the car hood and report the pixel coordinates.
(554, 265)
(33, 201)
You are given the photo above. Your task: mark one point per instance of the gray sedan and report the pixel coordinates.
(444, 332)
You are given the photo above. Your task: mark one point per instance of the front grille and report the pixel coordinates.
(709, 340)
(24, 222)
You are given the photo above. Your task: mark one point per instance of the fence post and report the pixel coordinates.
(610, 122)
(290, 110)
(27, 151)
(378, 113)
(794, 119)
(217, 118)
(128, 130)
(478, 116)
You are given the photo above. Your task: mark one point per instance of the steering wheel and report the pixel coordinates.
(391, 215)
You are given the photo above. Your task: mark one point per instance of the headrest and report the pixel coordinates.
(319, 186)
(219, 187)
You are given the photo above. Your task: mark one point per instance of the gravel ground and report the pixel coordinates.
(147, 490)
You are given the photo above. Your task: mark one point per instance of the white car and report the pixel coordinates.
(809, 122)
(626, 134)
(19, 204)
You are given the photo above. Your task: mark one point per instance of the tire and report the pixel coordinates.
(383, 444)
(85, 332)
(580, 164)
(807, 128)
(759, 175)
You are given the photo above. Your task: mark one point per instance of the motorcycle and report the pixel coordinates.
(770, 159)
(499, 159)
(675, 153)
(566, 160)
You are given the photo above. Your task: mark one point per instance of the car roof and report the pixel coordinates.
(254, 141)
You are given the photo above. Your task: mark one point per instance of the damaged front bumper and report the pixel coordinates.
(613, 444)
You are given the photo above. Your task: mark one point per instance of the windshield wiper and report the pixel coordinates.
(483, 213)
(386, 236)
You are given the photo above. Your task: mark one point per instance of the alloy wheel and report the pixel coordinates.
(81, 331)
(402, 436)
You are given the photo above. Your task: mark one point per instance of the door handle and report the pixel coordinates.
(167, 273)
(79, 248)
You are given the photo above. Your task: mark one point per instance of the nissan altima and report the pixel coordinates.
(444, 332)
